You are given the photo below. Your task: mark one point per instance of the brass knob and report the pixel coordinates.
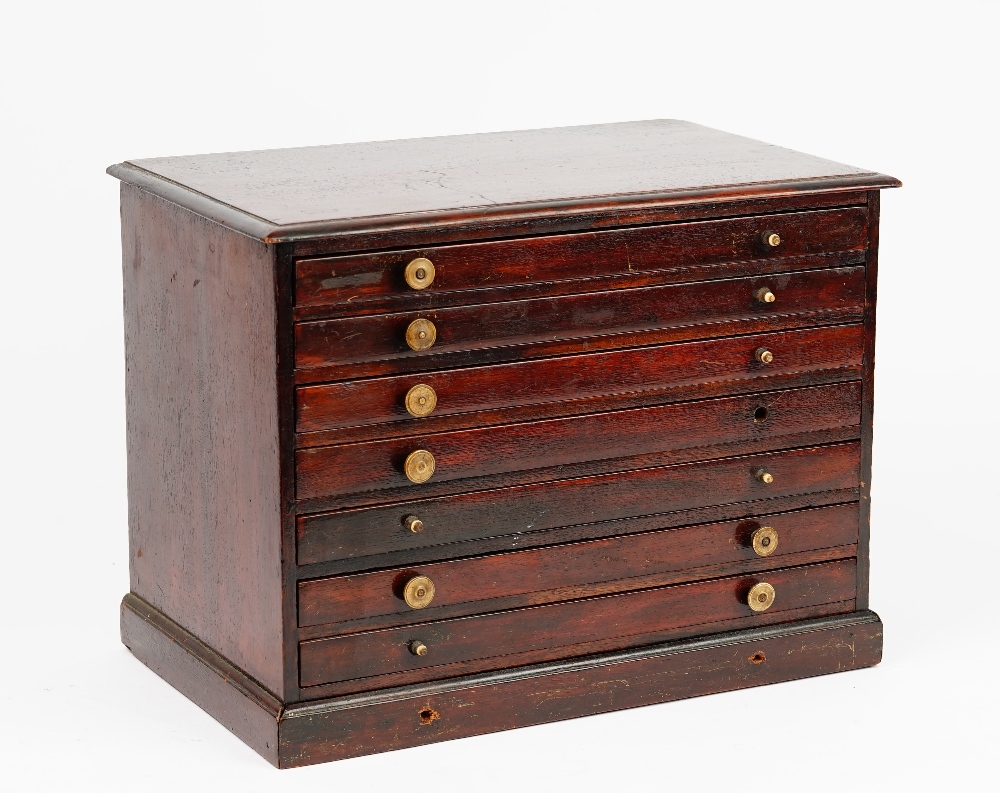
(421, 400)
(761, 596)
(413, 523)
(421, 334)
(771, 239)
(418, 648)
(762, 475)
(419, 466)
(419, 592)
(763, 355)
(419, 273)
(764, 295)
(764, 541)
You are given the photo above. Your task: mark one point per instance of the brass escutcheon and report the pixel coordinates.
(421, 334)
(421, 400)
(419, 466)
(764, 541)
(761, 596)
(419, 273)
(419, 592)
(764, 295)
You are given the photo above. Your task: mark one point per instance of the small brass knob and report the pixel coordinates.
(763, 475)
(771, 239)
(764, 541)
(419, 592)
(419, 273)
(418, 648)
(763, 355)
(421, 400)
(764, 295)
(421, 334)
(419, 466)
(413, 523)
(761, 596)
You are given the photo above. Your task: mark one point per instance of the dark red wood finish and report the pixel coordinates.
(552, 627)
(529, 508)
(578, 262)
(819, 294)
(572, 380)
(375, 465)
(564, 572)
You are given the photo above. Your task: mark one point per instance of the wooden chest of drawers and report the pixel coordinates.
(439, 437)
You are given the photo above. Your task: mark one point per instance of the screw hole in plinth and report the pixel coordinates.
(428, 715)
(760, 414)
(757, 658)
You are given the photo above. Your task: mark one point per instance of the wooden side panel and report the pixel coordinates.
(420, 715)
(202, 430)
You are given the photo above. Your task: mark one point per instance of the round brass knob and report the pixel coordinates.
(421, 334)
(421, 400)
(764, 541)
(419, 273)
(763, 355)
(419, 466)
(771, 239)
(418, 648)
(761, 596)
(763, 475)
(764, 295)
(413, 523)
(419, 592)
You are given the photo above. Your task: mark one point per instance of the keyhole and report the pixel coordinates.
(760, 414)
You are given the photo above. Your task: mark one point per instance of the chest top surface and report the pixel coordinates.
(319, 187)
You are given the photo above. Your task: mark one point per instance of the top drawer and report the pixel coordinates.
(378, 281)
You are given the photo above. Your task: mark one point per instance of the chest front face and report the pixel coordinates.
(607, 425)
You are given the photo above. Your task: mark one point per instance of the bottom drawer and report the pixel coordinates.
(650, 613)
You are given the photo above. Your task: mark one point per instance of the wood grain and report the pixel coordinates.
(202, 430)
(485, 272)
(553, 627)
(562, 572)
(488, 451)
(532, 508)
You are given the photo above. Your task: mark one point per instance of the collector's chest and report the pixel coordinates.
(438, 437)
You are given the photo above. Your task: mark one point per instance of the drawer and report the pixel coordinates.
(710, 305)
(462, 273)
(575, 570)
(336, 470)
(557, 627)
(573, 379)
(568, 502)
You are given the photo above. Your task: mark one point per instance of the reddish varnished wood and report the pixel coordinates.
(476, 273)
(563, 572)
(574, 379)
(553, 627)
(820, 294)
(336, 470)
(529, 508)
(202, 430)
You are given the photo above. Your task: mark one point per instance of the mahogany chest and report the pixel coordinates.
(432, 438)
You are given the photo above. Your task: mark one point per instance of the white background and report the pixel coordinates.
(908, 89)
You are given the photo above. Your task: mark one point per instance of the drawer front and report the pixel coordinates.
(578, 377)
(559, 626)
(378, 280)
(337, 470)
(382, 337)
(568, 502)
(564, 572)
